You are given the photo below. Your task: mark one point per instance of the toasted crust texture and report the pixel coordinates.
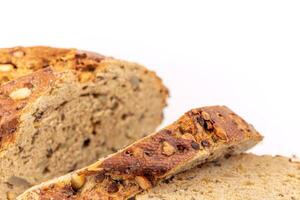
(25, 60)
(199, 136)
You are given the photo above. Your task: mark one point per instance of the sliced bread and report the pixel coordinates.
(246, 176)
(62, 109)
(199, 136)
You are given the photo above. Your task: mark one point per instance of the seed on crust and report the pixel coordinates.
(113, 188)
(201, 121)
(209, 125)
(188, 136)
(99, 178)
(18, 54)
(167, 149)
(195, 145)
(220, 133)
(138, 152)
(20, 94)
(143, 182)
(77, 181)
(205, 115)
(6, 67)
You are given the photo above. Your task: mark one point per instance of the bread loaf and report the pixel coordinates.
(199, 136)
(62, 109)
(246, 176)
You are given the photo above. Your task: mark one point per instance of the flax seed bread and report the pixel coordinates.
(199, 136)
(246, 176)
(62, 109)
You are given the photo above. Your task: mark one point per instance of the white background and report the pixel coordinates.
(243, 54)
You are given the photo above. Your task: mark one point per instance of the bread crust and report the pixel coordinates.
(158, 164)
(25, 60)
(144, 163)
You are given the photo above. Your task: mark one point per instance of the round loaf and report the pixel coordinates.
(62, 109)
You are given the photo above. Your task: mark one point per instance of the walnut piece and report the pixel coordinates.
(77, 181)
(6, 67)
(143, 182)
(167, 149)
(20, 94)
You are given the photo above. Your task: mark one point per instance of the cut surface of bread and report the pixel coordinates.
(199, 136)
(68, 108)
(245, 176)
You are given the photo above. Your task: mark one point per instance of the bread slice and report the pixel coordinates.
(62, 109)
(246, 176)
(199, 136)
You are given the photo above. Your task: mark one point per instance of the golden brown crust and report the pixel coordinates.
(11, 109)
(25, 60)
(151, 160)
(223, 126)
(148, 161)
(225, 123)
(64, 192)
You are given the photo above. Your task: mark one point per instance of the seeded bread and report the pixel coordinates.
(246, 176)
(199, 136)
(62, 109)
